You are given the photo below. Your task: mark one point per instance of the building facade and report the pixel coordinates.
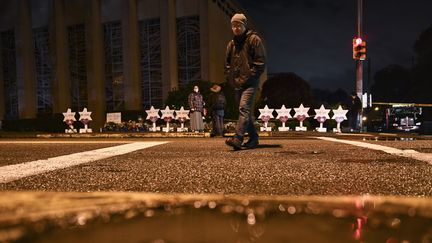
(106, 55)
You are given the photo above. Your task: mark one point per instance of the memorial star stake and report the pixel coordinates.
(167, 116)
(301, 113)
(283, 116)
(182, 115)
(153, 116)
(339, 116)
(321, 115)
(85, 116)
(265, 115)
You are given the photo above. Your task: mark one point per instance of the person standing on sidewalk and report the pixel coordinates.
(196, 105)
(245, 62)
(354, 112)
(217, 106)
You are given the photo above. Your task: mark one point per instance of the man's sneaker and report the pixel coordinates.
(234, 142)
(252, 143)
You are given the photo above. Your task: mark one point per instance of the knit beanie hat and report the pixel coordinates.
(240, 18)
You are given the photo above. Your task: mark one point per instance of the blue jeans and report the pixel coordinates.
(245, 100)
(218, 118)
(354, 120)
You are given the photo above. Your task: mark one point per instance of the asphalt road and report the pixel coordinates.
(300, 165)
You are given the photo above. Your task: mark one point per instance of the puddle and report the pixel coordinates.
(244, 221)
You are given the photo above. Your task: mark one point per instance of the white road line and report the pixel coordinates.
(61, 142)
(14, 172)
(409, 153)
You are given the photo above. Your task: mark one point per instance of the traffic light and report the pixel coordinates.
(359, 49)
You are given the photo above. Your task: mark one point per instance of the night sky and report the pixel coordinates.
(313, 38)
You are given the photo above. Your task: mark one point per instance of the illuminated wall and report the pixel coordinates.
(107, 55)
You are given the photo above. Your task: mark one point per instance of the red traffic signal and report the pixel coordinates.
(359, 49)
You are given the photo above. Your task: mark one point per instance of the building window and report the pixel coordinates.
(77, 66)
(7, 42)
(188, 55)
(114, 83)
(43, 71)
(150, 61)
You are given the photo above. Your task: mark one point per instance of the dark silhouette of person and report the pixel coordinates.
(217, 105)
(355, 107)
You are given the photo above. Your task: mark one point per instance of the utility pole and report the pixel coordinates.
(359, 63)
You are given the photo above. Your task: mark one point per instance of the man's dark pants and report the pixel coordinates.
(245, 100)
(353, 120)
(218, 117)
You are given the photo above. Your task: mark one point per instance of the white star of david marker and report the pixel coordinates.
(301, 111)
(69, 115)
(85, 115)
(167, 113)
(182, 114)
(152, 113)
(283, 111)
(340, 113)
(322, 112)
(266, 112)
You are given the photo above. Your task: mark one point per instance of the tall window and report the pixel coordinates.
(7, 42)
(189, 57)
(114, 83)
(150, 61)
(77, 66)
(43, 71)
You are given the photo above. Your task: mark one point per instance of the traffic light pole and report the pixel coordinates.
(359, 78)
(359, 63)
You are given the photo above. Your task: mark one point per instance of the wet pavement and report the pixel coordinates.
(290, 189)
(139, 217)
(303, 166)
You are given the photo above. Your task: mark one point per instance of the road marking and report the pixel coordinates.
(14, 172)
(65, 142)
(408, 153)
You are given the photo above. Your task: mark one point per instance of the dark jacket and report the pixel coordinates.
(355, 105)
(195, 101)
(217, 101)
(245, 60)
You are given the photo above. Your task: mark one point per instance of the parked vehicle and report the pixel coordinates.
(394, 118)
(404, 118)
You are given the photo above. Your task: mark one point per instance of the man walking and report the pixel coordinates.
(245, 62)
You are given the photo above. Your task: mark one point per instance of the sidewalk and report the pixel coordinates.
(275, 134)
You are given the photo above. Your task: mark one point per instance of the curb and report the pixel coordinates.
(273, 134)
